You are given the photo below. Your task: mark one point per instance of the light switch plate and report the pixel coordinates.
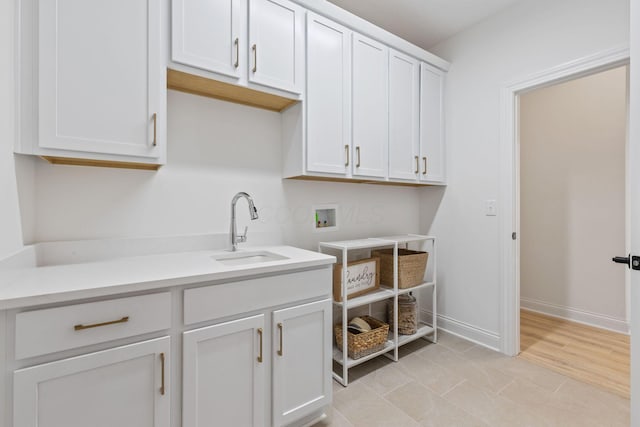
(490, 208)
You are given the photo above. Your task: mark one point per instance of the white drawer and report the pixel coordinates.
(228, 299)
(55, 329)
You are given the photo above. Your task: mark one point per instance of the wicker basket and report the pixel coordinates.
(364, 343)
(411, 267)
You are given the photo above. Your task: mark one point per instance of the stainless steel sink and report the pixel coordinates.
(243, 258)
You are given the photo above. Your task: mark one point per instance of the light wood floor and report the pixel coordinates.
(585, 353)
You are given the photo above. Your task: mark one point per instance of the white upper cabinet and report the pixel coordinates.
(368, 115)
(242, 42)
(276, 39)
(404, 107)
(432, 153)
(370, 107)
(101, 81)
(328, 97)
(207, 34)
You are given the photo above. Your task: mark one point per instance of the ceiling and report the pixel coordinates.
(424, 23)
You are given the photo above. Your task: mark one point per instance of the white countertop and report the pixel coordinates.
(35, 285)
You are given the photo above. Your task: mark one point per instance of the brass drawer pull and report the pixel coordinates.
(280, 329)
(424, 160)
(155, 129)
(260, 335)
(81, 327)
(236, 43)
(254, 48)
(417, 164)
(346, 151)
(358, 157)
(162, 374)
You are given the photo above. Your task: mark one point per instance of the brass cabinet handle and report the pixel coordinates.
(280, 329)
(236, 43)
(254, 48)
(162, 374)
(358, 157)
(260, 335)
(155, 129)
(417, 164)
(346, 151)
(81, 327)
(424, 162)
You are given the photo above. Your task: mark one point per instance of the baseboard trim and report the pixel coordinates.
(576, 315)
(466, 331)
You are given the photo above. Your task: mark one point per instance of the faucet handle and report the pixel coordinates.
(243, 237)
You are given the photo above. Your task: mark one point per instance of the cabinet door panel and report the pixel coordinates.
(370, 107)
(431, 125)
(223, 381)
(404, 122)
(276, 31)
(116, 387)
(100, 85)
(328, 96)
(302, 373)
(204, 34)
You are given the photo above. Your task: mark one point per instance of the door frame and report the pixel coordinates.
(509, 177)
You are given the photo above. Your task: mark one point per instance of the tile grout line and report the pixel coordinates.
(513, 380)
(452, 388)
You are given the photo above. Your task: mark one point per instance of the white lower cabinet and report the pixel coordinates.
(125, 386)
(259, 355)
(301, 361)
(223, 374)
(224, 368)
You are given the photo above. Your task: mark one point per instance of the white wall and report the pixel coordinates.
(10, 228)
(530, 36)
(572, 199)
(216, 149)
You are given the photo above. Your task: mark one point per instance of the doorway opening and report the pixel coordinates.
(551, 278)
(571, 169)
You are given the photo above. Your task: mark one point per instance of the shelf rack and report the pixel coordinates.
(426, 329)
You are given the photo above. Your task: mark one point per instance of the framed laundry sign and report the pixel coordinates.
(363, 276)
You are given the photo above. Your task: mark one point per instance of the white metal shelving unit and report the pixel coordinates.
(427, 329)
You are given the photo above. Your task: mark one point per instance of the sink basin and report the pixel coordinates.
(244, 258)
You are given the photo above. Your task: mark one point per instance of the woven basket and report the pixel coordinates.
(364, 343)
(411, 267)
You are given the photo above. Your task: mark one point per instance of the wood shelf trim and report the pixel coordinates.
(196, 85)
(358, 181)
(69, 161)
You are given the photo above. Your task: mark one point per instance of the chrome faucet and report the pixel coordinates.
(253, 212)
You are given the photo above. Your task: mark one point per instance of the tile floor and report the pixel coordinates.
(459, 384)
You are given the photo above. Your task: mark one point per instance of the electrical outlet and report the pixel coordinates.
(490, 208)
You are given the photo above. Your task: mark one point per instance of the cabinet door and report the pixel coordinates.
(404, 121)
(120, 387)
(101, 81)
(370, 107)
(223, 375)
(328, 96)
(431, 125)
(276, 40)
(302, 361)
(207, 34)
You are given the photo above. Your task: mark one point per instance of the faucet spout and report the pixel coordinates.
(253, 213)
